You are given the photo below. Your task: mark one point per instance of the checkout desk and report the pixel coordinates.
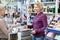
(19, 33)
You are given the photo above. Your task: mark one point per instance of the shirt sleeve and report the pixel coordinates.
(44, 21)
(3, 27)
(30, 26)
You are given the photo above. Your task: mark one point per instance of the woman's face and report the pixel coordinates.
(36, 8)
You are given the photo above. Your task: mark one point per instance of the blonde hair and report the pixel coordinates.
(1, 7)
(39, 4)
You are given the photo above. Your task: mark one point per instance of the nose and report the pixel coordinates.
(34, 8)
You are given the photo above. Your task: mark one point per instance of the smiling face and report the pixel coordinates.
(38, 7)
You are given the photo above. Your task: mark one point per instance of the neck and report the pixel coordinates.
(38, 12)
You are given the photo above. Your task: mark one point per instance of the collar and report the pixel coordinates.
(40, 13)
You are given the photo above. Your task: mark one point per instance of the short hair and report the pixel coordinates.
(39, 4)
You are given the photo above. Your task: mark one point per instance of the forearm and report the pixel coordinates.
(10, 29)
(30, 26)
(40, 30)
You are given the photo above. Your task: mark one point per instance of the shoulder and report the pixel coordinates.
(43, 15)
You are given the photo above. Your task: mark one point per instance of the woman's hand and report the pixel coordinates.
(33, 32)
(25, 27)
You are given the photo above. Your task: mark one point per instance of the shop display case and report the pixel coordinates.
(24, 34)
(54, 28)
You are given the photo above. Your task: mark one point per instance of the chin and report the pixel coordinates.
(36, 11)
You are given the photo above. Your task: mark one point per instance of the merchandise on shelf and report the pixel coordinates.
(58, 10)
(24, 17)
(53, 23)
(50, 35)
(57, 27)
(13, 36)
(31, 8)
(49, 9)
(54, 29)
(57, 37)
(31, 17)
(47, 0)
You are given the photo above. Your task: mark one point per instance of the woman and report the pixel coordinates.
(39, 23)
(3, 27)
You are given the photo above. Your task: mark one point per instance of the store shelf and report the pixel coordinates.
(59, 1)
(27, 38)
(31, 12)
(49, 2)
(53, 22)
(50, 13)
(53, 30)
(31, 2)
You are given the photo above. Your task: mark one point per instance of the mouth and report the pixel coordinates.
(35, 10)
